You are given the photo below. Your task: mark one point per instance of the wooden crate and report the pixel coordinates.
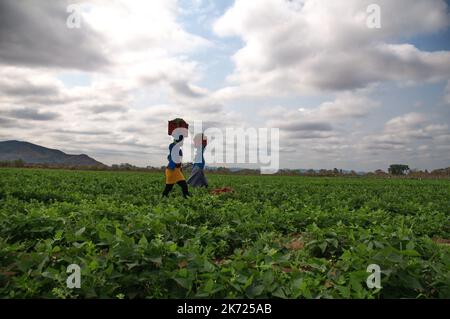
(178, 123)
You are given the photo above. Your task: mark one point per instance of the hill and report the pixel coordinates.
(35, 154)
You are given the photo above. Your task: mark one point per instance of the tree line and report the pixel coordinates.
(395, 170)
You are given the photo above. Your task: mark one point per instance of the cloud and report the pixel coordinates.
(307, 126)
(35, 34)
(81, 132)
(310, 46)
(22, 86)
(24, 83)
(347, 105)
(120, 39)
(311, 135)
(323, 121)
(28, 113)
(405, 131)
(175, 74)
(134, 26)
(141, 65)
(331, 131)
(7, 123)
(186, 89)
(108, 108)
(25, 88)
(405, 123)
(135, 57)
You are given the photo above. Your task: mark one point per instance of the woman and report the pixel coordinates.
(173, 170)
(198, 178)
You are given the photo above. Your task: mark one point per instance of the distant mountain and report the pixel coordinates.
(35, 154)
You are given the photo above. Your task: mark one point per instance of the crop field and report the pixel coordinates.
(273, 237)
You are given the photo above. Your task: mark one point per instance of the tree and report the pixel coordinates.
(398, 169)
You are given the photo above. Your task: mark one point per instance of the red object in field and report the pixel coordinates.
(178, 123)
(224, 190)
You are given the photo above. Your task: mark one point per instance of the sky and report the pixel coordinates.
(341, 94)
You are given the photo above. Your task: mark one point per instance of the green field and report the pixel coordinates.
(274, 237)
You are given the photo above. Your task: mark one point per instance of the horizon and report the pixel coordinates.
(238, 168)
(103, 78)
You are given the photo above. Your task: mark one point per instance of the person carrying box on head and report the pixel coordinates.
(174, 175)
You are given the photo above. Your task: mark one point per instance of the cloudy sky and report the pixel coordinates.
(342, 94)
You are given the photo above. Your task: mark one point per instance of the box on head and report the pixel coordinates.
(178, 127)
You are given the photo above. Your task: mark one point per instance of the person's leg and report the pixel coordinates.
(167, 190)
(184, 187)
(204, 180)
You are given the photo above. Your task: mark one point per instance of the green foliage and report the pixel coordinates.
(274, 237)
(398, 169)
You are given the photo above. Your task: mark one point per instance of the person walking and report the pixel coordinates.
(174, 174)
(198, 178)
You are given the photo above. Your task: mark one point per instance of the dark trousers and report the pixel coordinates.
(182, 184)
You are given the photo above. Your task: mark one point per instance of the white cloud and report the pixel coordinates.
(407, 130)
(35, 34)
(321, 45)
(405, 123)
(23, 85)
(132, 26)
(141, 68)
(347, 105)
(143, 49)
(325, 134)
(324, 118)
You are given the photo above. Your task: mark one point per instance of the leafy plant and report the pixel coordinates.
(273, 237)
